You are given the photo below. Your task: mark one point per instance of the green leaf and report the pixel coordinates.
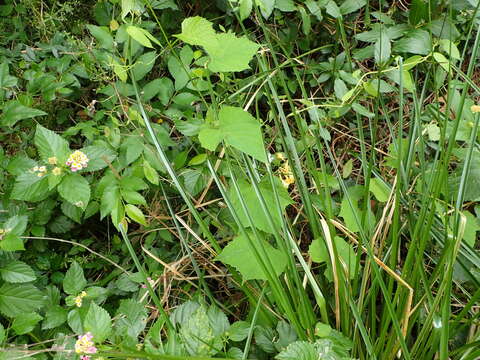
(99, 157)
(210, 138)
(50, 145)
(143, 65)
(17, 299)
(198, 31)
(299, 350)
(14, 111)
(198, 335)
(239, 330)
(285, 5)
(266, 7)
(347, 257)
(75, 189)
(25, 323)
(254, 207)
(135, 214)
(227, 52)
(231, 53)
(142, 36)
(131, 318)
(74, 281)
(379, 189)
(238, 129)
(13, 229)
(133, 197)
(442, 61)
(239, 255)
(245, 8)
(383, 49)
(415, 42)
(103, 36)
(150, 173)
(2, 333)
(350, 6)
(54, 317)
(17, 272)
(471, 228)
(98, 322)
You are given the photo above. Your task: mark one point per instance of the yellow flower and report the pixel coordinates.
(42, 169)
(40, 174)
(475, 109)
(52, 160)
(77, 161)
(56, 171)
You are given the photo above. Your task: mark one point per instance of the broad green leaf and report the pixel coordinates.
(266, 7)
(379, 189)
(348, 212)
(99, 157)
(120, 70)
(227, 52)
(131, 318)
(314, 8)
(471, 228)
(55, 316)
(442, 61)
(245, 8)
(17, 299)
(135, 214)
(17, 272)
(133, 197)
(239, 255)
(13, 229)
(98, 322)
(383, 49)
(198, 335)
(150, 173)
(142, 36)
(254, 207)
(198, 31)
(111, 199)
(50, 144)
(75, 189)
(210, 138)
(180, 69)
(415, 42)
(14, 111)
(143, 65)
(103, 36)
(25, 322)
(299, 350)
(238, 129)
(6, 80)
(74, 281)
(231, 53)
(347, 257)
(448, 47)
(239, 330)
(285, 5)
(347, 169)
(131, 7)
(350, 6)
(332, 9)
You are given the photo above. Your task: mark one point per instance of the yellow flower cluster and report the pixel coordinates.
(78, 300)
(77, 161)
(40, 170)
(285, 171)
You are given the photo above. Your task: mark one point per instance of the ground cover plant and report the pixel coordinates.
(239, 179)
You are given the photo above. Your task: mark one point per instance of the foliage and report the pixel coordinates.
(234, 179)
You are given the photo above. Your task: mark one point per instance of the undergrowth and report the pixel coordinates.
(239, 179)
